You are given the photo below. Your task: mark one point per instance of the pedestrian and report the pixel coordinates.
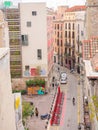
(58, 69)
(36, 112)
(52, 85)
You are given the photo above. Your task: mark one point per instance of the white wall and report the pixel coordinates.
(37, 34)
(7, 113)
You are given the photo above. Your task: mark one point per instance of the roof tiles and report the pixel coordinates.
(76, 8)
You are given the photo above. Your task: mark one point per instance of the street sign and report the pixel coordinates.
(7, 3)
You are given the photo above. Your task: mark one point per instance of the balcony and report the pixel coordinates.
(72, 46)
(67, 44)
(67, 54)
(79, 42)
(78, 54)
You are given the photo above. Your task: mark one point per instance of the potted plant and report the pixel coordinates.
(34, 85)
(42, 82)
(29, 83)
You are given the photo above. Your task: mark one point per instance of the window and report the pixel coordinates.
(69, 34)
(27, 67)
(61, 43)
(73, 26)
(57, 26)
(69, 26)
(53, 17)
(24, 40)
(65, 25)
(73, 35)
(57, 34)
(78, 28)
(66, 61)
(82, 33)
(65, 33)
(57, 42)
(39, 54)
(34, 13)
(28, 24)
(54, 59)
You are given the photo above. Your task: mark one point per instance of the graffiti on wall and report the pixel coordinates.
(35, 72)
(18, 111)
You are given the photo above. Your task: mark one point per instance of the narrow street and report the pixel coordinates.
(72, 115)
(71, 111)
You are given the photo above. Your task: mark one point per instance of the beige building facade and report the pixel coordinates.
(7, 113)
(37, 40)
(58, 24)
(68, 34)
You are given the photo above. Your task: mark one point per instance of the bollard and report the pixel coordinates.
(45, 127)
(47, 122)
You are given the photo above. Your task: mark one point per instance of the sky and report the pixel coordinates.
(55, 3)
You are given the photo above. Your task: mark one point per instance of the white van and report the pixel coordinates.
(63, 78)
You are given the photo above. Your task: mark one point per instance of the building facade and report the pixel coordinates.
(58, 24)
(50, 42)
(68, 34)
(91, 18)
(37, 40)
(58, 40)
(91, 88)
(12, 16)
(90, 48)
(30, 40)
(7, 112)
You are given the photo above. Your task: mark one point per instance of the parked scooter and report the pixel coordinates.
(45, 116)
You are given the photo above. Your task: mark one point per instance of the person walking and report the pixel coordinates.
(73, 100)
(36, 112)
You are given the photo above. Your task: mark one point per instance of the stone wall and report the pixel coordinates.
(92, 18)
(19, 84)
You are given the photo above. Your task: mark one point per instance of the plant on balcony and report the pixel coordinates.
(35, 82)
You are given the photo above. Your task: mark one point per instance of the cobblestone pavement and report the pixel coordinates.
(43, 103)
